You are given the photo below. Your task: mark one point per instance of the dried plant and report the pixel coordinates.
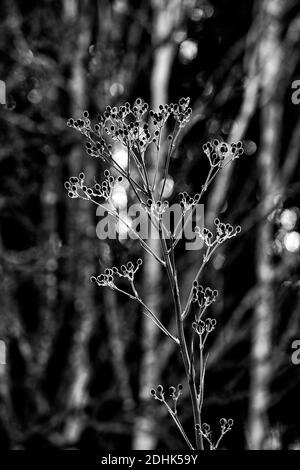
(137, 128)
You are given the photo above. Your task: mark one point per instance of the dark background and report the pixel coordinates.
(76, 355)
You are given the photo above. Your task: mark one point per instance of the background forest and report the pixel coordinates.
(80, 361)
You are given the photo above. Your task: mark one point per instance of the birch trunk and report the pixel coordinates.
(81, 229)
(265, 310)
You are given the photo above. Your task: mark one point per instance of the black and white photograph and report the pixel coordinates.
(149, 228)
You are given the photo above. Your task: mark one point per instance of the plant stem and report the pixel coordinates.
(142, 242)
(171, 268)
(166, 170)
(152, 315)
(178, 424)
(207, 255)
(208, 180)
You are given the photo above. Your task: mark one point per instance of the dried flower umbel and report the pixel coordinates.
(137, 128)
(205, 432)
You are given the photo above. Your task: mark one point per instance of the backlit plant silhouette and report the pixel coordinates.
(137, 128)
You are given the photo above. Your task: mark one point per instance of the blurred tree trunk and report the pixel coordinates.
(165, 19)
(81, 230)
(271, 61)
(49, 285)
(218, 194)
(117, 348)
(7, 424)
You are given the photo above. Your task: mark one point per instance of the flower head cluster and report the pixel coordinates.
(183, 113)
(125, 124)
(204, 430)
(158, 393)
(98, 148)
(175, 393)
(180, 111)
(206, 326)
(203, 297)
(129, 125)
(108, 277)
(187, 202)
(226, 424)
(223, 232)
(217, 152)
(76, 187)
(83, 125)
